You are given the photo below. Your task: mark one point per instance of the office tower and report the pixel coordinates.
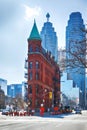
(74, 38)
(49, 38)
(3, 84)
(14, 90)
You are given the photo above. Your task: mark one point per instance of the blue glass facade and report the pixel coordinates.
(14, 90)
(74, 35)
(49, 38)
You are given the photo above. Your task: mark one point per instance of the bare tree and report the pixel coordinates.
(76, 55)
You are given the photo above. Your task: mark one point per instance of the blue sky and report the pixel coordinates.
(16, 21)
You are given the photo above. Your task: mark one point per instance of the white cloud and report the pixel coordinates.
(31, 12)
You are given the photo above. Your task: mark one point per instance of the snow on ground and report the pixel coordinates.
(71, 116)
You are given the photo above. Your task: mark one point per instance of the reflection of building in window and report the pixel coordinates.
(30, 65)
(37, 76)
(30, 76)
(37, 65)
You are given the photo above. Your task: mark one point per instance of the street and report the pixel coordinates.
(67, 122)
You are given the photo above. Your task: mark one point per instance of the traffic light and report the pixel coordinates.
(50, 95)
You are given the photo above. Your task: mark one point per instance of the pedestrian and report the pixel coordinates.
(42, 111)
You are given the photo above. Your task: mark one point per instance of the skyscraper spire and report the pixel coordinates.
(47, 16)
(49, 38)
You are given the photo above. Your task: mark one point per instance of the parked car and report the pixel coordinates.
(5, 112)
(78, 111)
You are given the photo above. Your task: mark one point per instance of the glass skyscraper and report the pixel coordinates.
(74, 35)
(49, 38)
(14, 90)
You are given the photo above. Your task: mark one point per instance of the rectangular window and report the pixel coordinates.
(37, 103)
(37, 89)
(37, 65)
(30, 65)
(37, 76)
(30, 49)
(30, 76)
(30, 89)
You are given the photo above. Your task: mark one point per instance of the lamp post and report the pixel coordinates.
(16, 104)
(47, 98)
(28, 105)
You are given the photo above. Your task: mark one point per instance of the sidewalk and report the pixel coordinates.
(2, 117)
(45, 114)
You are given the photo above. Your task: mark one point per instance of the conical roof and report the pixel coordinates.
(34, 33)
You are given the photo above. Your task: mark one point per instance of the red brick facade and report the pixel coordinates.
(43, 77)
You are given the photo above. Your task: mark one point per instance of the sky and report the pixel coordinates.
(16, 21)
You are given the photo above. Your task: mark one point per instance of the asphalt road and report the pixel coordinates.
(70, 122)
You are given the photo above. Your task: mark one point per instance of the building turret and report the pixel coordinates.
(34, 35)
